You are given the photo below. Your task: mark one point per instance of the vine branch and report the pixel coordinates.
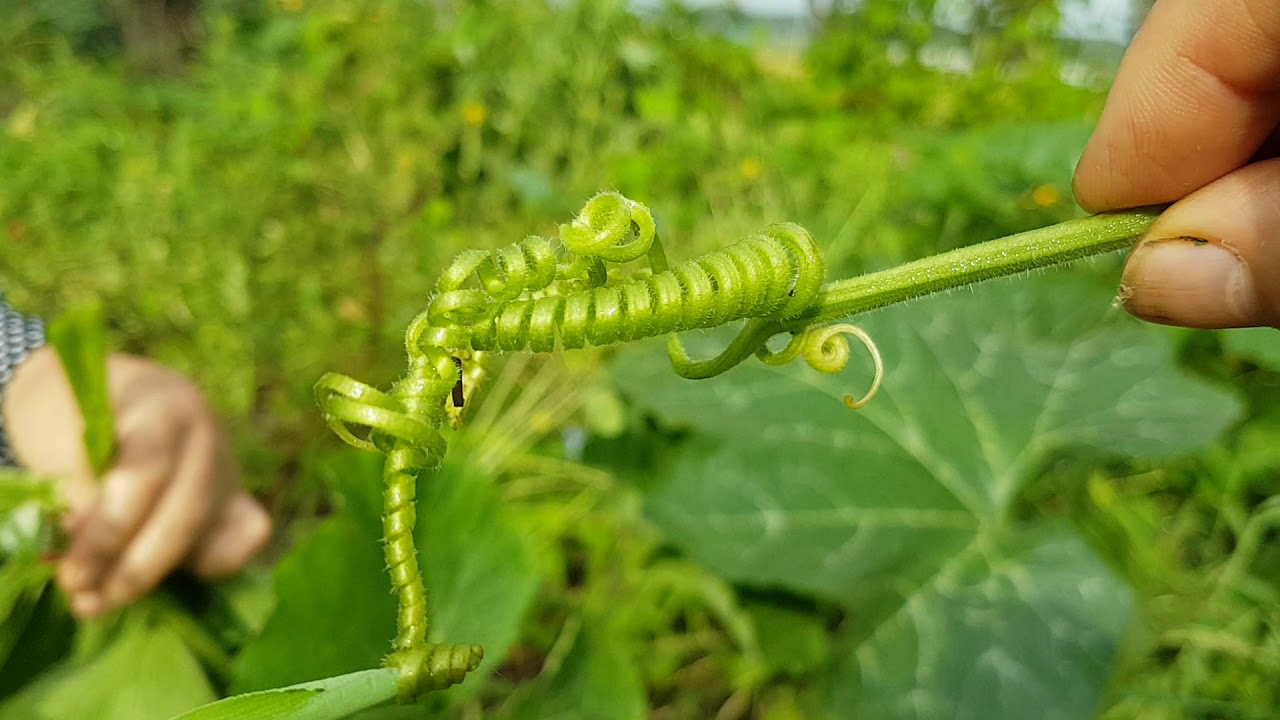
(528, 296)
(1039, 248)
(1010, 255)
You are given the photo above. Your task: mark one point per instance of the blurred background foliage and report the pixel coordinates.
(263, 190)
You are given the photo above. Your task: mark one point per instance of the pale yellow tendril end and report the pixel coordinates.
(826, 352)
(876, 359)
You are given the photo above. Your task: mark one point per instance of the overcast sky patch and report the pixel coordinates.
(1107, 20)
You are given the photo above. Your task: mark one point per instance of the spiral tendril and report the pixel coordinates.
(826, 350)
(433, 666)
(526, 296)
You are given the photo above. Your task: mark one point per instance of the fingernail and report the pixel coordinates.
(86, 605)
(1189, 281)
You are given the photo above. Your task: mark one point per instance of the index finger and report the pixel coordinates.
(1195, 98)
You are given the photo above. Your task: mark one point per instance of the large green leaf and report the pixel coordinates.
(1021, 626)
(22, 582)
(1261, 345)
(782, 486)
(25, 502)
(329, 699)
(145, 673)
(36, 635)
(334, 613)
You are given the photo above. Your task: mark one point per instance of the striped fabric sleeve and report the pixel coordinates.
(19, 335)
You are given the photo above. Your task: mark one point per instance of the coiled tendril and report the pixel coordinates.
(526, 296)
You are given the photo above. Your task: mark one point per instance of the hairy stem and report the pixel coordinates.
(1043, 247)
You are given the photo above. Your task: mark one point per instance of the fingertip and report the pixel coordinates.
(1212, 260)
(92, 551)
(129, 581)
(1090, 182)
(1191, 282)
(258, 525)
(74, 576)
(1082, 190)
(240, 532)
(87, 605)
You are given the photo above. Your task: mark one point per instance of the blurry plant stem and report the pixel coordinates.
(1010, 255)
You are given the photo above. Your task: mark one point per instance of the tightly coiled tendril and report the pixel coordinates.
(529, 296)
(434, 666)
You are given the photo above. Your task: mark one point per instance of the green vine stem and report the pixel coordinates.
(1030, 250)
(528, 296)
(1042, 247)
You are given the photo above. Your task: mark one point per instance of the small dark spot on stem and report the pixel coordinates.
(457, 388)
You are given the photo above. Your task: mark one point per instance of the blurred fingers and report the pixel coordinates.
(1212, 260)
(128, 493)
(1197, 95)
(172, 528)
(238, 533)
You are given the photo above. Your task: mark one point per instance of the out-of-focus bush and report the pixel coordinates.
(278, 208)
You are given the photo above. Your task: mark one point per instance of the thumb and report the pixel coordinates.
(1212, 260)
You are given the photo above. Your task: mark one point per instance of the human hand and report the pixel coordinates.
(172, 496)
(1196, 101)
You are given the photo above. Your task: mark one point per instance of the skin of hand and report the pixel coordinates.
(1192, 120)
(172, 497)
